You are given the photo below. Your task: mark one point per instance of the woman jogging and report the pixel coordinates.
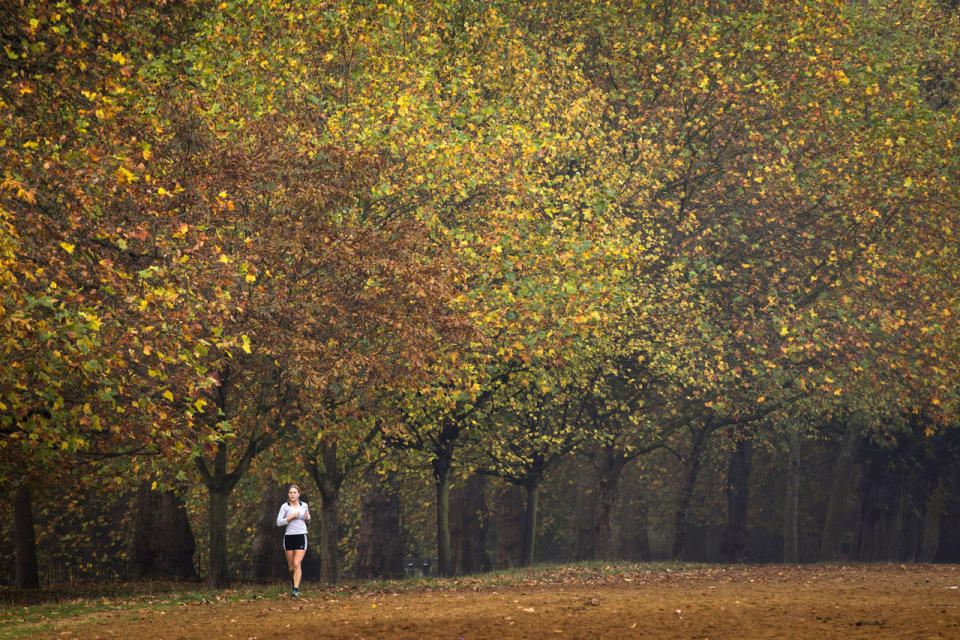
(294, 515)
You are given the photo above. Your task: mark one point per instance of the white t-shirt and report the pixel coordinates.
(298, 524)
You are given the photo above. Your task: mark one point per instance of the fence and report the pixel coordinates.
(78, 572)
(58, 573)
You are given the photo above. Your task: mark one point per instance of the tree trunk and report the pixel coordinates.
(931, 523)
(908, 544)
(948, 543)
(219, 575)
(510, 515)
(28, 577)
(441, 478)
(220, 482)
(268, 558)
(634, 540)
(880, 496)
(611, 466)
(163, 543)
(841, 480)
(734, 543)
(329, 538)
(530, 522)
(587, 480)
(791, 534)
(379, 548)
(219, 485)
(329, 480)
(468, 527)
(444, 565)
(692, 470)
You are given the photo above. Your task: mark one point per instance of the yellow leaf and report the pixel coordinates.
(168, 395)
(224, 259)
(124, 176)
(66, 246)
(118, 58)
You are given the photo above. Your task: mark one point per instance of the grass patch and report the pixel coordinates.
(24, 613)
(20, 620)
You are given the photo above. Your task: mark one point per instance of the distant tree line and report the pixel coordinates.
(860, 498)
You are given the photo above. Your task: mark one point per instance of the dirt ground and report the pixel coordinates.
(888, 601)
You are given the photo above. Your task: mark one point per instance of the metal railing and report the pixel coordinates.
(66, 572)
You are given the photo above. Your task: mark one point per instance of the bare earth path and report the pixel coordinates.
(887, 601)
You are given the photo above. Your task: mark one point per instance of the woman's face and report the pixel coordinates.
(293, 494)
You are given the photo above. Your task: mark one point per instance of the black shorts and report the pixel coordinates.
(294, 542)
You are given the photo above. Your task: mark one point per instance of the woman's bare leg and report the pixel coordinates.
(291, 567)
(295, 571)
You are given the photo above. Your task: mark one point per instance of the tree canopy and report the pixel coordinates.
(491, 232)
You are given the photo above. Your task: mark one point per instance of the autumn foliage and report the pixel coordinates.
(466, 235)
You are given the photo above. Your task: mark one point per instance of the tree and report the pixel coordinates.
(268, 283)
(63, 69)
(527, 431)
